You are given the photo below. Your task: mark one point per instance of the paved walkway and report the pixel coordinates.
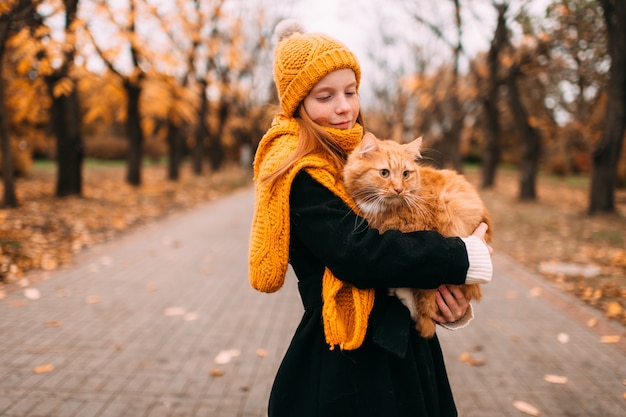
(135, 327)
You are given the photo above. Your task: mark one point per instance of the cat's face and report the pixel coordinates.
(383, 174)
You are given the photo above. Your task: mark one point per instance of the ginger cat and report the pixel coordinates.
(393, 191)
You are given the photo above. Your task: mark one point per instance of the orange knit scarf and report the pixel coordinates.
(345, 308)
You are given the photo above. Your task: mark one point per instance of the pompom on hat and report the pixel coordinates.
(302, 59)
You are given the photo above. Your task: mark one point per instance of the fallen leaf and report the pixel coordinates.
(536, 292)
(216, 372)
(614, 310)
(32, 293)
(48, 263)
(555, 379)
(471, 360)
(174, 311)
(62, 292)
(190, 316)
(526, 408)
(93, 299)
(592, 322)
(563, 337)
(42, 369)
(612, 338)
(151, 287)
(226, 356)
(3, 294)
(17, 303)
(510, 295)
(53, 323)
(261, 352)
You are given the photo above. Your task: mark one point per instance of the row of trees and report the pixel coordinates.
(186, 50)
(195, 74)
(554, 93)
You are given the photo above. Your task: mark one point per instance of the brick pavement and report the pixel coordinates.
(133, 330)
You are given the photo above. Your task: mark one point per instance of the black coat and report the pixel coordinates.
(395, 372)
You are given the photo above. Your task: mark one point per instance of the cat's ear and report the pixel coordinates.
(368, 144)
(413, 148)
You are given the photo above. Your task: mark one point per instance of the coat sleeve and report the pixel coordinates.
(359, 255)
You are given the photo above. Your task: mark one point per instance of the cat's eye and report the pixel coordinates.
(406, 174)
(384, 173)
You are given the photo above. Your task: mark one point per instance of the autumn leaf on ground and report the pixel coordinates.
(42, 369)
(592, 322)
(612, 338)
(216, 372)
(17, 303)
(62, 292)
(563, 338)
(260, 352)
(614, 310)
(32, 293)
(555, 379)
(53, 323)
(226, 356)
(526, 408)
(174, 311)
(190, 316)
(471, 360)
(92, 299)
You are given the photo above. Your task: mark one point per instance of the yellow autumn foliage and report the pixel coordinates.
(63, 87)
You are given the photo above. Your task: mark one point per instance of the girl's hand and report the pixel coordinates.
(452, 304)
(480, 233)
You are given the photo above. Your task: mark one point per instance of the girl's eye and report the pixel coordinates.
(384, 173)
(350, 93)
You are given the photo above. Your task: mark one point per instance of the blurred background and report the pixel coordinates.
(180, 89)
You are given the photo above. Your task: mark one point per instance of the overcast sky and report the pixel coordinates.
(360, 25)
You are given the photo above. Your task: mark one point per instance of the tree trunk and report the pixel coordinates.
(9, 198)
(216, 148)
(202, 131)
(175, 145)
(65, 123)
(491, 152)
(453, 136)
(607, 152)
(531, 138)
(135, 134)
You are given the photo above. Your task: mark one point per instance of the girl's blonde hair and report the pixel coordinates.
(312, 139)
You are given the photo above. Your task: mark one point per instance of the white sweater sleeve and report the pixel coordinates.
(480, 267)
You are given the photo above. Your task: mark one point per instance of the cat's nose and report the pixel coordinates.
(398, 190)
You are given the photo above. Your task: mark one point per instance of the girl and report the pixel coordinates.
(356, 351)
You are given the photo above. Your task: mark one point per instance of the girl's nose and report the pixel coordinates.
(342, 104)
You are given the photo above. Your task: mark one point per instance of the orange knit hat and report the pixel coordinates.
(302, 59)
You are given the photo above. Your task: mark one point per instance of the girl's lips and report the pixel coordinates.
(343, 125)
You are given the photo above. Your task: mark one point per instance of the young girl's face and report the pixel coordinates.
(334, 101)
